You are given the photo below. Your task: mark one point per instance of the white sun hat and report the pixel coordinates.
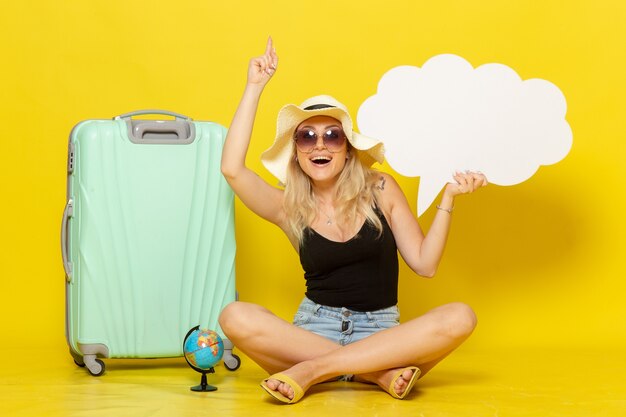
(276, 158)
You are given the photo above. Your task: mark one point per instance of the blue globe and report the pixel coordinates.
(203, 349)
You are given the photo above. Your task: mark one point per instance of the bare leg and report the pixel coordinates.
(423, 342)
(276, 345)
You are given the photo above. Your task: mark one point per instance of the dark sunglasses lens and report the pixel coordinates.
(306, 139)
(334, 138)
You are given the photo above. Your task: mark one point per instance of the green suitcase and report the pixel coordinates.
(147, 237)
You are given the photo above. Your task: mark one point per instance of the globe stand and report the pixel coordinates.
(204, 386)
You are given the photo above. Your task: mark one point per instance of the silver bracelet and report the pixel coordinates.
(445, 209)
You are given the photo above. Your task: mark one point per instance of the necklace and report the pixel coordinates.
(329, 220)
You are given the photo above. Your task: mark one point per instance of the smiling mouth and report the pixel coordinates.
(321, 160)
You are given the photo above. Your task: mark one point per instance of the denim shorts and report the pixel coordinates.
(342, 325)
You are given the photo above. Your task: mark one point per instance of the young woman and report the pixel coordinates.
(347, 222)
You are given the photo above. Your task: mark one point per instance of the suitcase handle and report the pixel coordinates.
(180, 131)
(151, 111)
(67, 265)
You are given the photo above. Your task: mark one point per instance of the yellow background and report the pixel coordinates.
(542, 263)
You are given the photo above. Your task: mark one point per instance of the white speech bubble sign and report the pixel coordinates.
(448, 116)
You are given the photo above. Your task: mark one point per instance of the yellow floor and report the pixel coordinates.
(503, 383)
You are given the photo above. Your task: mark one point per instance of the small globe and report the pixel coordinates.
(203, 349)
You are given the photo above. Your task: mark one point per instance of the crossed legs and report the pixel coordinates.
(308, 359)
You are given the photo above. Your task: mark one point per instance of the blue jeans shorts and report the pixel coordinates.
(342, 325)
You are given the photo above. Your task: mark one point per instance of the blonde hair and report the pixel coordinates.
(357, 194)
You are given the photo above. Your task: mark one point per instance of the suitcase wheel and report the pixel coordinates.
(94, 366)
(232, 362)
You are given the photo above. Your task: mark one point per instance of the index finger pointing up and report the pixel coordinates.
(268, 48)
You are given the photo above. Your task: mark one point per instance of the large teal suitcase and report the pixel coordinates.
(147, 238)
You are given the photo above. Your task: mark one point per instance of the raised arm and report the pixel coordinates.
(254, 192)
(423, 253)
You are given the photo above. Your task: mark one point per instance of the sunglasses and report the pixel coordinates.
(306, 139)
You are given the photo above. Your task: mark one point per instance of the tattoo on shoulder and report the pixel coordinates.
(381, 186)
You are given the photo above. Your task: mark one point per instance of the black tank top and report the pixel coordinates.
(360, 274)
